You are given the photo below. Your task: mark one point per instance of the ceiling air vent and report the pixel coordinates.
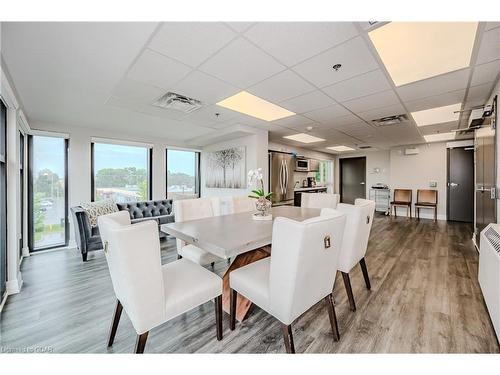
(182, 103)
(390, 120)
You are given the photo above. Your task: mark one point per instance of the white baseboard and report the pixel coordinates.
(26, 252)
(14, 286)
(2, 303)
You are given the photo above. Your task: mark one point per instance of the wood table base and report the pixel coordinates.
(243, 305)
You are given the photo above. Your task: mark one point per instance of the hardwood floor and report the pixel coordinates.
(425, 298)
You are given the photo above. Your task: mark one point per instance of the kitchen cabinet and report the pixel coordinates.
(298, 194)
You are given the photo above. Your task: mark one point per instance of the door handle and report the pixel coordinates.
(361, 183)
(453, 184)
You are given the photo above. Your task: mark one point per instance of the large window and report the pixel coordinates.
(183, 170)
(121, 172)
(3, 200)
(48, 192)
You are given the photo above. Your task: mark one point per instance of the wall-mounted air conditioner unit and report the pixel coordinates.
(411, 151)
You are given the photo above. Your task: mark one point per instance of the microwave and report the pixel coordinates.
(302, 165)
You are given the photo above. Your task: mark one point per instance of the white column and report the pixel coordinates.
(14, 278)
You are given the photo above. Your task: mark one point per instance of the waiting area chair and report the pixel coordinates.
(299, 273)
(192, 209)
(402, 198)
(319, 200)
(359, 220)
(426, 199)
(150, 293)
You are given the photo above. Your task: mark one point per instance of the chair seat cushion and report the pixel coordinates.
(252, 281)
(425, 204)
(197, 255)
(188, 285)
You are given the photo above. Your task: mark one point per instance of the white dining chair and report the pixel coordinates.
(319, 200)
(193, 209)
(299, 273)
(243, 203)
(359, 220)
(150, 293)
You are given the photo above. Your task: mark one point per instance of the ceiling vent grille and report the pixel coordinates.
(178, 102)
(390, 120)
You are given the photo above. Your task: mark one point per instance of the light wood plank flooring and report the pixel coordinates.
(425, 298)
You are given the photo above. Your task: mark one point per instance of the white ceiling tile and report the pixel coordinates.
(307, 127)
(130, 89)
(241, 64)
(480, 93)
(376, 113)
(293, 121)
(343, 121)
(293, 42)
(240, 27)
(378, 100)
(485, 73)
(308, 102)
(191, 42)
(436, 101)
(326, 115)
(491, 25)
(282, 86)
(354, 56)
(433, 86)
(207, 115)
(489, 48)
(157, 70)
(362, 85)
(201, 86)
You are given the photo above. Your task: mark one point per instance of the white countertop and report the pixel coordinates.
(310, 188)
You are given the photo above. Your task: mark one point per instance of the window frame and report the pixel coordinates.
(31, 227)
(149, 168)
(197, 170)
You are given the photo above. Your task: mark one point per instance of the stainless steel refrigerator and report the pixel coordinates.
(281, 168)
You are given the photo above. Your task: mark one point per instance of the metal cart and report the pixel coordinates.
(382, 198)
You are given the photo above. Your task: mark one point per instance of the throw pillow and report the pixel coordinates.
(96, 209)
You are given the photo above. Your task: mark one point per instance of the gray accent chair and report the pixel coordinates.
(88, 239)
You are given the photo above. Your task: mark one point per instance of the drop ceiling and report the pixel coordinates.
(107, 75)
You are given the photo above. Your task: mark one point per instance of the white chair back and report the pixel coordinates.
(359, 219)
(134, 261)
(243, 204)
(193, 209)
(319, 200)
(303, 262)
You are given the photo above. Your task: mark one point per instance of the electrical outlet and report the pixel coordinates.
(433, 184)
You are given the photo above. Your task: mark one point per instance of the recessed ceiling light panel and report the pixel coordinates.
(439, 137)
(254, 106)
(340, 148)
(304, 138)
(437, 115)
(412, 51)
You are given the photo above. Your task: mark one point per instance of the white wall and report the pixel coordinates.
(374, 159)
(256, 157)
(417, 171)
(496, 92)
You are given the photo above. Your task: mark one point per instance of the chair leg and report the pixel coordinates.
(362, 263)
(288, 338)
(114, 323)
(233, 296)
(435, 214)
(84, 257)
(348, 289)
(218, 316)
(333, 317)
(140, 344)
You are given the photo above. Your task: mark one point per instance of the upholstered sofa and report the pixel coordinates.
(87, 235)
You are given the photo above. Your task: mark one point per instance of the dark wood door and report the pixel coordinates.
(352, 179)
(460, 202)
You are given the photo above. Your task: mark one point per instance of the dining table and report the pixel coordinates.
(238, 237)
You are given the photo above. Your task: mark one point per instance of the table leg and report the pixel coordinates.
(243, 305)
